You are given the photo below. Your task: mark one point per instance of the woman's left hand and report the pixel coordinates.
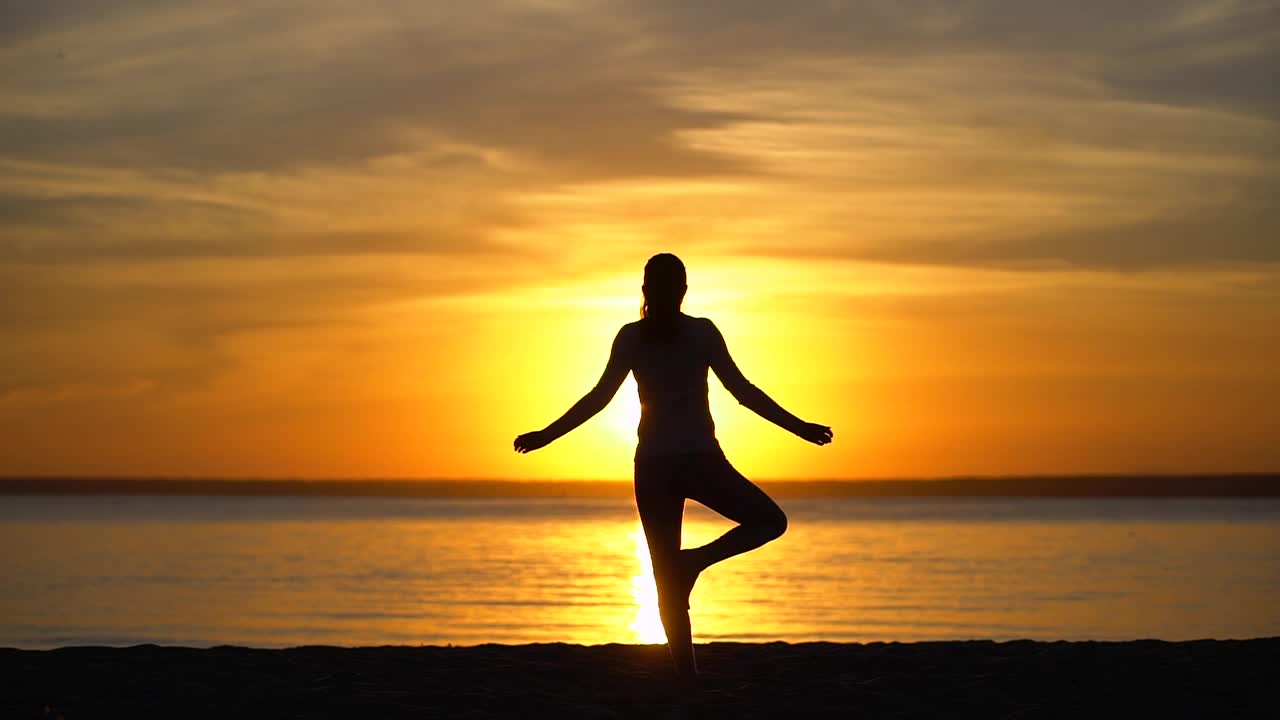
(531, 441)
(815, 433)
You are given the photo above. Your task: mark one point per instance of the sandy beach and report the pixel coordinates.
(984, 679)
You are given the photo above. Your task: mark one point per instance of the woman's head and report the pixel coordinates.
(664, 288)
(664, 285)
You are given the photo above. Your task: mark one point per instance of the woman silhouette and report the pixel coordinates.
(677, 455)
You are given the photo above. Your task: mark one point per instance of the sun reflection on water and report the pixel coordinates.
(647, 626)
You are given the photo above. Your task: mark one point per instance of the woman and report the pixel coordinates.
(677, 455)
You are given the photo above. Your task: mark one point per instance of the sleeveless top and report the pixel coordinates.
(671, 379)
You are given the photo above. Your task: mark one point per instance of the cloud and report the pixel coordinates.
(1242, 234)
(309, 128)
(1187, 51)
(210, 210)
(409, 205)
(192, 170)
(186, 130)
(971, 159)
(279, 86)
(1211, 54)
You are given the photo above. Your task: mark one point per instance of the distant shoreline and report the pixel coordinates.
(1084, 486)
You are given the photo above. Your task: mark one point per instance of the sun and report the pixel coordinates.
(624, 412)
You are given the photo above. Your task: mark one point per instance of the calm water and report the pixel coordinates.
(287, 571)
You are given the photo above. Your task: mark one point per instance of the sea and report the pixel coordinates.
(279, 571)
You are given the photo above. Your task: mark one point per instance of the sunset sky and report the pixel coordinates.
(380, 239)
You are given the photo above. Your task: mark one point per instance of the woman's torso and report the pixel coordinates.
(671, 378)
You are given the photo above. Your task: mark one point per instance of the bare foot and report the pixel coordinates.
(687, 682)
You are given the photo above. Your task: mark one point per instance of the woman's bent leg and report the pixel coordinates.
(661, 515)
(726, 491)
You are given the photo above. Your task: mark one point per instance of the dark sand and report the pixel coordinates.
(1204, 679)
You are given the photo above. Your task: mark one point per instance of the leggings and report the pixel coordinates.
(663, 482)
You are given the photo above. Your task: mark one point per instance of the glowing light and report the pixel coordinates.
(624, 418)
(648, 623)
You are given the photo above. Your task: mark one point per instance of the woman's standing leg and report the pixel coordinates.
(722, 488)
(662, 515)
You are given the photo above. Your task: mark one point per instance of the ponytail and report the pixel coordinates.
(660, 325)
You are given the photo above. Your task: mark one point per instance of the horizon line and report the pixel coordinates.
(1094, 485)
(771, 479)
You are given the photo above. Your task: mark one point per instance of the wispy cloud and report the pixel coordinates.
(176, 177)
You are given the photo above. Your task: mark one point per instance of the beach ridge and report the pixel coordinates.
(975, 678)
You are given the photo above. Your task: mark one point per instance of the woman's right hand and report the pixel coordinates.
(531, 441)
(815, 433)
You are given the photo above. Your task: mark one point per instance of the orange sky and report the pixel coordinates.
(379, 240)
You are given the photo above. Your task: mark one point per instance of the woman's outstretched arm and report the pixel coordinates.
(615, 371)
(755, 399)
